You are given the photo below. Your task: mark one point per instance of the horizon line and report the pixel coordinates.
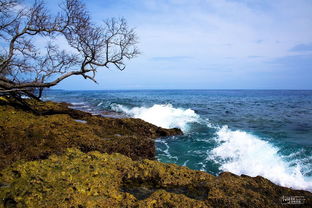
(179, 89)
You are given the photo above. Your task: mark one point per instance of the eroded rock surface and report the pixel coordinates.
(28, 136)
(77, 179)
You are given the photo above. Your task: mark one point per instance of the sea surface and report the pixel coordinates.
(251, 132)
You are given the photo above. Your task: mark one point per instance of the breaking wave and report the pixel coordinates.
(237, 151)
(165, 116)
(240, 152)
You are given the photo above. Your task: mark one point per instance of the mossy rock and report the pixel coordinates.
(77, 179)
(28, 136)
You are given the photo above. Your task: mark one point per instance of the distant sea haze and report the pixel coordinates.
(251, 132)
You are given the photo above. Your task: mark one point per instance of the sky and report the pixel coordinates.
(209, 44)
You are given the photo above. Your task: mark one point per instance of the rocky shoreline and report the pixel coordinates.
(56, 156)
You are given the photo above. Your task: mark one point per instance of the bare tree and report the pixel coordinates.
(39, 50)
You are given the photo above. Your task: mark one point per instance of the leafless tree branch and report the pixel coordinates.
(73, 45)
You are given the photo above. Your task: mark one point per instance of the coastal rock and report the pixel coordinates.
(55, 156)
(25, 135)
(77, 179)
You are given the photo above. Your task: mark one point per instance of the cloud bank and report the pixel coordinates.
(212, 44)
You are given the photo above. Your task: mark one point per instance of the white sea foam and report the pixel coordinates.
(166, 151)
(185, 163)
(238, 152)
(165, 116)
(101, 103)
(242, 153)
(78, 103)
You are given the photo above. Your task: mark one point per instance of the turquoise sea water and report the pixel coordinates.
(252, 132)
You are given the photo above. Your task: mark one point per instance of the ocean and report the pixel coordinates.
(251, 132)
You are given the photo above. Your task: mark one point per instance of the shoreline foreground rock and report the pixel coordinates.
(55, 127)
(61, 157)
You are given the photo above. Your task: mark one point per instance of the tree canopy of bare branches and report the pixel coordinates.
(38, 50)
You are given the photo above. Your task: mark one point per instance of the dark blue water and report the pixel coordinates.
(253, 132)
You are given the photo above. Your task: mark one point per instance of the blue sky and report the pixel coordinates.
(210, 44)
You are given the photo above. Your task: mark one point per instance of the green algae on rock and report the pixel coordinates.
(28, 136)
(77, 179)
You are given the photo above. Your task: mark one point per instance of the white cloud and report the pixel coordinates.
(211, 31)
(208, 27)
